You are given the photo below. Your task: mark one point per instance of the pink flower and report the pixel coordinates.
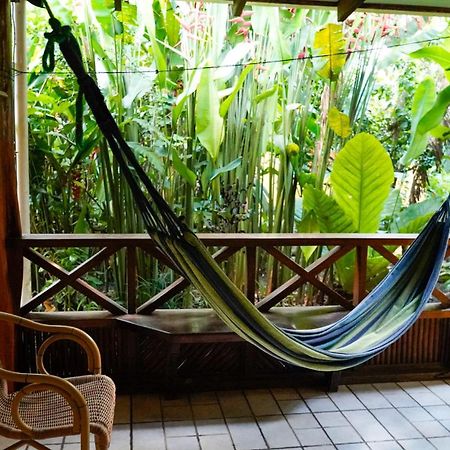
(243, 31)
(237, 20)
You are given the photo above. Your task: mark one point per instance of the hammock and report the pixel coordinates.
(380, 319)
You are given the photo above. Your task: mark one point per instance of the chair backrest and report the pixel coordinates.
(3, 386)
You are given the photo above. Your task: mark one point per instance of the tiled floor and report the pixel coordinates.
(388, 416)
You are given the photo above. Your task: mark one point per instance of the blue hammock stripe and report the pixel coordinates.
(379, 320)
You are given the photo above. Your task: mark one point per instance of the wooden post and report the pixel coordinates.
(132, 279)
(10, 273)
(359, 280)
(21, 131)
(251, 273)
(346, 7)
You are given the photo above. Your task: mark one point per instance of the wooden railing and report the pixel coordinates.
(31, 247)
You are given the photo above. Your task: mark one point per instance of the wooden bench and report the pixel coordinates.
(178, 327)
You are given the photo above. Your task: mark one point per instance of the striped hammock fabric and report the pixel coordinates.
(380, 319)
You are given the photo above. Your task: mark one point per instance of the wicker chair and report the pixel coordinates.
(49, 406)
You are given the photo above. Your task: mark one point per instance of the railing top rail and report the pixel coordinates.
(211, 239)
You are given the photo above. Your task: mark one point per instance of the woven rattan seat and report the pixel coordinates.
(49, 406)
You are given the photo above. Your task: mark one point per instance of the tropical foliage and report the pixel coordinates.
(279, 120)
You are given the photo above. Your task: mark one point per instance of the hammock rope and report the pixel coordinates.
(380, 319)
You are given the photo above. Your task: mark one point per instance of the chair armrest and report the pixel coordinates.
(59, 332)
(39, 383)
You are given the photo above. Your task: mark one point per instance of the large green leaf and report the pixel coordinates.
(208, 121)
(194, 81)
(435, 115)
(329, 43)
(414, 217)
(308, 224)
(330, 216)
(436, 54)
(227, 67)
(361, 179)
(392, 205)
(332, 219)
(183, 170)
(137, 86)
(173, 27)
(339, 123)
(423, 100)
(152, 17)
(441, 132)
(240, 81)
(227, 168)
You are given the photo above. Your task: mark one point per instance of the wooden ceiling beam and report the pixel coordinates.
(238, 7)
(346, 7)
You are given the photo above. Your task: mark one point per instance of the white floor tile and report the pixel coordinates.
(180, 428)
(285, 393)
(181, 400)
(416, 444)
(148, 435)
(211, 426)
(234, 404)
(262, 403)
(439, 388)
(122, 410)
(245, 434)
(344, 399)
(384, 416)
(181, 443)
(315, 447)
(296, 406)
(182, 412)
(367, 426)
(343, 435)
(120, 438)
(441, 443)
(320, 404)
(445, 423)
(203, 397)
(353, 447)
(440, 412)
(277, 431)
(386, 445)
(75, 438)
(301, 421)
(216, 442)
(416, 414)
(146, 408)
(432, 429)
(331, 419)
(396, 424)
(312, 436)
(421, 394)
(386, 388)
(207, 411)
(311, 392)
(370, 397)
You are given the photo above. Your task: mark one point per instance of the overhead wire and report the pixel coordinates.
(242, 64)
